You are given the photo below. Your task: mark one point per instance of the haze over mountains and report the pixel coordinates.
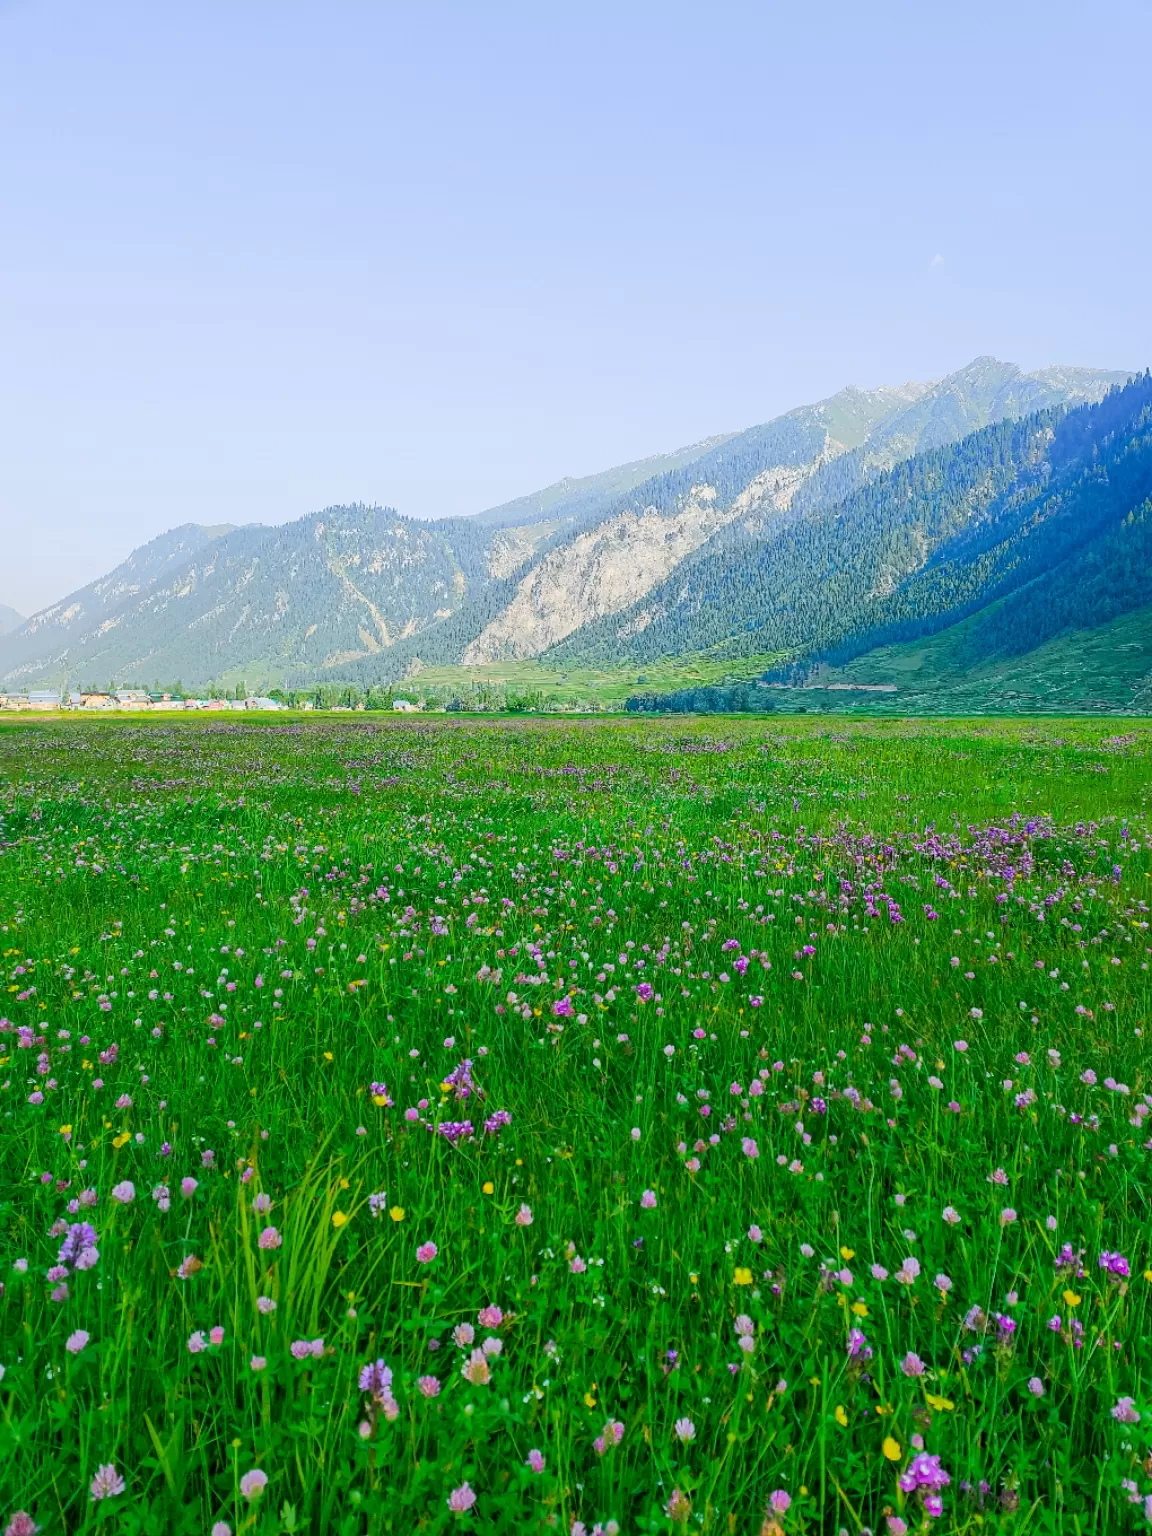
(871, 517)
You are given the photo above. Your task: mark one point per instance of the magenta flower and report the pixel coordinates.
(269, 1238)
(75, 1342)
(461, 1499)
(1125, 1412)
(124, 1193)
(648, 1200)
(924, 1471)
(107, 1484)
(779, 1501)
(536, 1461)
(429, 1386)
(253, 1483)
(426, 1252)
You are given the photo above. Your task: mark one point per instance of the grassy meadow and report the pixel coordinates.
(581, 1126)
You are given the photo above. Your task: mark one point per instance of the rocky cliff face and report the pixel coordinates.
(596, 573)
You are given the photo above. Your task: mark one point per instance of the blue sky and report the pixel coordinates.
(262, 257)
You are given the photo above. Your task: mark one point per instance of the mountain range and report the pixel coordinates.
(1010, 502)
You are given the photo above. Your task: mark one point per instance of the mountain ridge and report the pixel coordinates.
(592, 566)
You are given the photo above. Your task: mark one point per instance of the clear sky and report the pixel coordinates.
(259, 256)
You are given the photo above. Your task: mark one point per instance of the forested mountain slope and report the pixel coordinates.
(1019, 534)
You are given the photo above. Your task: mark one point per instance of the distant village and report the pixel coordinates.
(45, 700)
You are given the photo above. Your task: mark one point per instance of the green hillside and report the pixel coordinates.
(1105, 668)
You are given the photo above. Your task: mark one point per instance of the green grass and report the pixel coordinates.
(267, 918)
(581, 687)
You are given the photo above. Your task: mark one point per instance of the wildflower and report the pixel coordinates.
(611, 1435)
(924, 1472)
(75, 1342)
(679, 1506)
(429, 1386)
(461, 1499)
(523, 1217)
(426, 1253)
(123, 1193)
(476, 1369)
(535, 1460)
(648, 1200)
(269, 1238)
(107, 1484)
(1007, 1216)
(749, 1148)
(1036, 1386)
(858, 1346)
(376, 1378)
(1125, 1412)
(78, 1248)
(258, 1363)
(188, 1187)
(912, 1365)
(21, 1524)
(253, 1483)
(684, 1430)
(490, 1317)
(265, 1305)
(197, 1343)
(463, 1334)
(779, 1501)
(1115, 1264)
